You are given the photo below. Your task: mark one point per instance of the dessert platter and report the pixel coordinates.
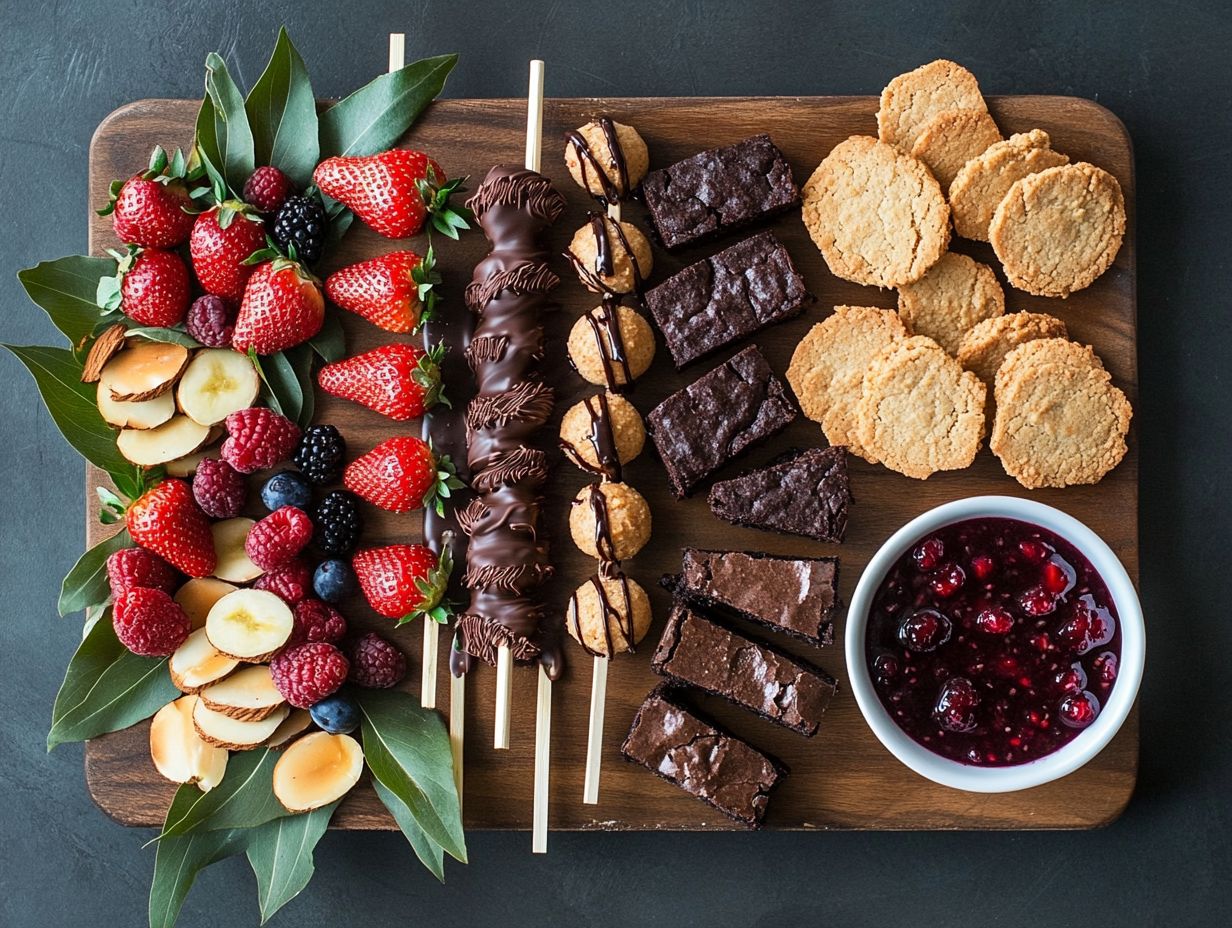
(687, 464)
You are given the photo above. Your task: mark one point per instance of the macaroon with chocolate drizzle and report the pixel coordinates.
(607, 159)
(610, 256)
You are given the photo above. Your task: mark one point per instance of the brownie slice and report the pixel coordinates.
(680, 746)
(805, 494)
(727, 297)
(700, 428)
(694, 651)
(796, 595)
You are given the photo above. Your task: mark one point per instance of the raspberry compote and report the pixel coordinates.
(993, 642)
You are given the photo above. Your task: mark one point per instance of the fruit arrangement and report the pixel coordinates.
(217, 608)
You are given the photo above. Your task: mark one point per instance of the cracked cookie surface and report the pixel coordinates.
(910, 101)
(984, 348)
(982, 183)
(947, 302)
(950, 140)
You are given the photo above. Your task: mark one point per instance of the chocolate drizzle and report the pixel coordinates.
(604, 264)
(622, 618)
(507, 558)
(612, 192)
(602, 438)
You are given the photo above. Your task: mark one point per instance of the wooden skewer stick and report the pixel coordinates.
(457, 717)
(594, 737)
(397, 50)
(504, 693)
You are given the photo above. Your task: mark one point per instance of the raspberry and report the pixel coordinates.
(133, 567)
(267, 189)
(301, 224)
(339, 523)
(307, 673)
(375, 663)
(278, 537)
(290, 582)
(149, 622)
(219, 489)
(320, 454)
(316, 621)
(211, 321)
(258, 438)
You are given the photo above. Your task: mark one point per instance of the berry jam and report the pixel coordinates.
(993, 642)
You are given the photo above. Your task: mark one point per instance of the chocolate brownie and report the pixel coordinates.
(719, 190)
(796, 595)
(680, 746)
(694, 651)
(727, 297)
(701, 427)
(806, 493)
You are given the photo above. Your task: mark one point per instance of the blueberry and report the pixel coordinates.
(286, 489)
(337, 714)
(334, 580)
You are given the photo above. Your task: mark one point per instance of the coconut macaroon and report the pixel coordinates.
(599, 428)
(608, 614)
(607, 159)
(611, 346)
(610, 256)
(609, 521)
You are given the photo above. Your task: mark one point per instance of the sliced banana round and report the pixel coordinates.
(139, 414)
(144, 370)
(234, 564)
(179, 753)
(175, 438)
(198, 595)
(216, 383)
(234, 734)
(249, 625)
(248, 695)
(292, 727)
(197, 663)
(316, 770)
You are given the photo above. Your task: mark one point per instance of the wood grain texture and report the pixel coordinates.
(843, 778)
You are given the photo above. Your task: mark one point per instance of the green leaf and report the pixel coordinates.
(159, 334)
(107, 688)
(407, 750)
(373, 118)
(282, 112)
(282, 390)
(229, 145)
(280, 853)
(206, 147)
(65, 289)
(86, 584)
(427, 850)
(330, 342)
(244, 799)
(72, 406)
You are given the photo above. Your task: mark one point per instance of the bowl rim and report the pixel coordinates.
(1044, 769)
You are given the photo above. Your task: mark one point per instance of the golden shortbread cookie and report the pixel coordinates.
(919, 411)
(955, 295)
(983, 182)
(1057, 231)
(911, 100)
(984, 348)
(952, 139)
(1060, 421)
(876, 214)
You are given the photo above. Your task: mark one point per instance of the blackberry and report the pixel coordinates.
(301, 223)
(338, 523)
(320, 454)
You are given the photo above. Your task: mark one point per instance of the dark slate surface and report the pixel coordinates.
(1162, 67)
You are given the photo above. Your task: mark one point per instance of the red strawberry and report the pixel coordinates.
(398, 381)
(168, 521)
(152, 208)
(393, 291)
(150, 287)
(404, 582)
(402, 474)
(392, 192)
(282, 307)
(222, 240)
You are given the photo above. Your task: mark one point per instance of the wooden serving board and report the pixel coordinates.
(842, 778)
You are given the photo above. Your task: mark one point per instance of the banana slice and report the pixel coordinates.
(179, 753)
(234, 564)
(198, 595)
(216, 383)
(197, 663)
(175, 438)
(144, 370)
(235, 735)
(249, 625)
(317, 770)
(140, 414)
(295, 724)
(248, 695)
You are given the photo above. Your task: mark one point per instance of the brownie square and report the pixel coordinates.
(806, 493)
(704, 425)
(727, 297)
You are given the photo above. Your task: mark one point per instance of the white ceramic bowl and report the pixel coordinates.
(1082, 748)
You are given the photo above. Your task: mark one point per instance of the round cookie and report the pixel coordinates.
(955, 294)
(589, 344)
(627, 521)
(984, 348)
(631, 257)
(919, 411)
(910, 101)
(983, 182)
(952, 139)
(632, 148)
(1057, 231)
(876, 214)
(583, 420)
(628, 616)
(1060, 421)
